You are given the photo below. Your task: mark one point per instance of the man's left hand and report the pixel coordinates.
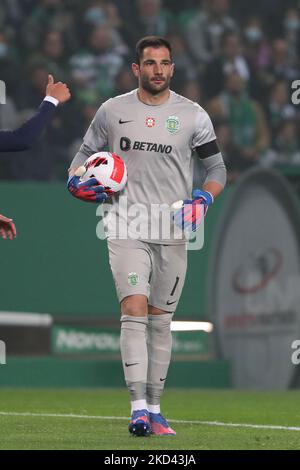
(192, 211)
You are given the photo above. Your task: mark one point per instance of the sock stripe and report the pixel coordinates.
(133, 321)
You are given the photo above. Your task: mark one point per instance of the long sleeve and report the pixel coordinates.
(94, 140)
(23, 137)
(206, 146)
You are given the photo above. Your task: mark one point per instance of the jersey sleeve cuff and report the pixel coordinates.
(51, 100)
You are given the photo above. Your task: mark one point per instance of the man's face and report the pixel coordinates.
(232, 46)
(219, 7)
(155, 70)
(234, 84)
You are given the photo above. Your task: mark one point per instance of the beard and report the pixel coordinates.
(150, 86)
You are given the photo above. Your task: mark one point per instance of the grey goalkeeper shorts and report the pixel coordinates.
(154, 270)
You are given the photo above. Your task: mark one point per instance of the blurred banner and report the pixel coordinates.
(254, 284)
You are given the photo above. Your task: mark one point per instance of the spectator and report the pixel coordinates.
(245, 118)
(34, 89)
(97, 66)
(285, 150)
(204, 32)
(229, 60)
(234, 163)
(9, 66)
(125, 81)
(281, 66)
(149, 19)
(269, 11)
(258, 55)
(257, 47)
(53, 55)
(48, 15)
(280, 107)
(192, 90)
(292, 33)
(185, 68)
(102, 11)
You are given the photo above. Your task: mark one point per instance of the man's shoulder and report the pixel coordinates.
(187, 103)
(120, 100)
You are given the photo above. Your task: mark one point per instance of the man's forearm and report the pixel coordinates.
(81, 156)
(216, 174)
(23, 137)
(213, 187)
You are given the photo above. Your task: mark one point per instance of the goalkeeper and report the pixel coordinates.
(155, 131)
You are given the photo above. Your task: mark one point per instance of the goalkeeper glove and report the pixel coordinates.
(192, 211)
(88, 191)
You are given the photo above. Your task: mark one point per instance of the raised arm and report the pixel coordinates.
(23, 137)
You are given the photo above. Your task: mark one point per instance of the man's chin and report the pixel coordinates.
(156, 88)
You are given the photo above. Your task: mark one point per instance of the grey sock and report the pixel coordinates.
(159, 342)
(134, 354)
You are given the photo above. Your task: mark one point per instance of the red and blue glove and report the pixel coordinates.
(190, 214)
(88, 191)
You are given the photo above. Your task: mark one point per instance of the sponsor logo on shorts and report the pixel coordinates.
(133, 279)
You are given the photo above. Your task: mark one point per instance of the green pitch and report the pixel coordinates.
(28, 420)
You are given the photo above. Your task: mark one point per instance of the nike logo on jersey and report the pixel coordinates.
(133, 364)
(170, 303)
(162, 380)
(123, 122)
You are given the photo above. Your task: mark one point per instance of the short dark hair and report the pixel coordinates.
(150, 41)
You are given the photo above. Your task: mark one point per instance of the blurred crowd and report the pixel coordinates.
(237, 59)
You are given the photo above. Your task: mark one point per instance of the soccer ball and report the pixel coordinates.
(108, 169)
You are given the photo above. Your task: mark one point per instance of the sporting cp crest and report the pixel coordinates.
(172, 124)
(133, 279)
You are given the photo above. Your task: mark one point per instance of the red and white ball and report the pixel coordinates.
(108, 169)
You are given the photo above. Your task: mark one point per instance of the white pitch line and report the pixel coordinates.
(178, 421)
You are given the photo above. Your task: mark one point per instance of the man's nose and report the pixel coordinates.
(158, 69)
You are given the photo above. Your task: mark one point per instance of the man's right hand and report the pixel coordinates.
(7, 228)
(58, 90)
(88, 191)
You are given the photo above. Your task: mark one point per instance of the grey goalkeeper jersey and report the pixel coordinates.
(156, 143)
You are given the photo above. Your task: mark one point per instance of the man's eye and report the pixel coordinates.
(164, 64)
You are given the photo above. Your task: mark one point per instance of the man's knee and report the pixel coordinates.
(135, 305)
(156, 311)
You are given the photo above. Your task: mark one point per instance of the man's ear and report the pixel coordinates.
(135, 69)
(172, 69)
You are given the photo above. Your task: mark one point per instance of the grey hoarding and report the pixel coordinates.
(254, 294)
